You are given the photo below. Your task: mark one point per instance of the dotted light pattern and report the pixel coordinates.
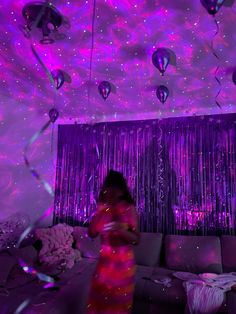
(126, 33)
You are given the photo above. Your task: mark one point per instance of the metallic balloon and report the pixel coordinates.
(161, 59)
(58, 77)
(162, 93)
(234, 77)
(212, 6)
(104, 89)
(53, 114)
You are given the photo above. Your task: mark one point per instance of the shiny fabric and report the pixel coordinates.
(181, 171)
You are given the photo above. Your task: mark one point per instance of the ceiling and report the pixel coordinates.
(125, 34)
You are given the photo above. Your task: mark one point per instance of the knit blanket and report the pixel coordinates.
(57, 246)
(206, 292)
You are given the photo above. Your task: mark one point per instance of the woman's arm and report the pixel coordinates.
(97, 223)
(130, 236)
(118, 230)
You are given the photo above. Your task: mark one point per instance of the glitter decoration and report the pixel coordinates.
(181, 181)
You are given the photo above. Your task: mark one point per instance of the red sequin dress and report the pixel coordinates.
(113, 282)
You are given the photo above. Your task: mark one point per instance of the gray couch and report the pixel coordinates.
(157, 258)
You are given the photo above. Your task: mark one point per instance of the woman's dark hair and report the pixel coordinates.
(115, 180)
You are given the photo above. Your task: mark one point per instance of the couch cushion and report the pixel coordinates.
(231, 302)
(157, 292)
(28, 254)
(147, 252)
(228, 248)
(197, 254)
(142, 272)
(87, 246)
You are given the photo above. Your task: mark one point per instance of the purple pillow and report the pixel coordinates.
(228, 247)
(147, 252)
(87, 246)
(197, 254)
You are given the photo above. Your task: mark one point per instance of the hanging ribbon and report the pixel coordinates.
(30, 270)
(48, 73)
(217, 68)
(53, 115)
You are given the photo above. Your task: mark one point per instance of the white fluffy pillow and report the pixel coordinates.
(57, 246)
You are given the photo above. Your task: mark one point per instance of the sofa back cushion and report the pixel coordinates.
(197, 254)
(228, 248)
(87, 246)
(147, 252)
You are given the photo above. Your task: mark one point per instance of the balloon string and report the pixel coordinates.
(217, 68)
(91, 52)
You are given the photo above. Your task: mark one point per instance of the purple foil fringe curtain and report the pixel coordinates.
(181, 171)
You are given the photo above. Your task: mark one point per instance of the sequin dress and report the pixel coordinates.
(113, 282)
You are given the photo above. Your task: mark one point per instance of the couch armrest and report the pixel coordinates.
(231, 302)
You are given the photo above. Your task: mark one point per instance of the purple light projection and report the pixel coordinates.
(126, 33)
(181, 171)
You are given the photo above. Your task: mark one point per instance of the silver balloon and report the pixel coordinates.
(162, 93)
(104, 89)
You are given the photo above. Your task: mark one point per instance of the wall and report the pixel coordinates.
(20, 192)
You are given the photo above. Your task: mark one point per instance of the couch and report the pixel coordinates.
(157, 258)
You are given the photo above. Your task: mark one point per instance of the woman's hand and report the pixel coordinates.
(113, 226)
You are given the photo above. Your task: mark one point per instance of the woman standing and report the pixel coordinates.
(116, 222)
